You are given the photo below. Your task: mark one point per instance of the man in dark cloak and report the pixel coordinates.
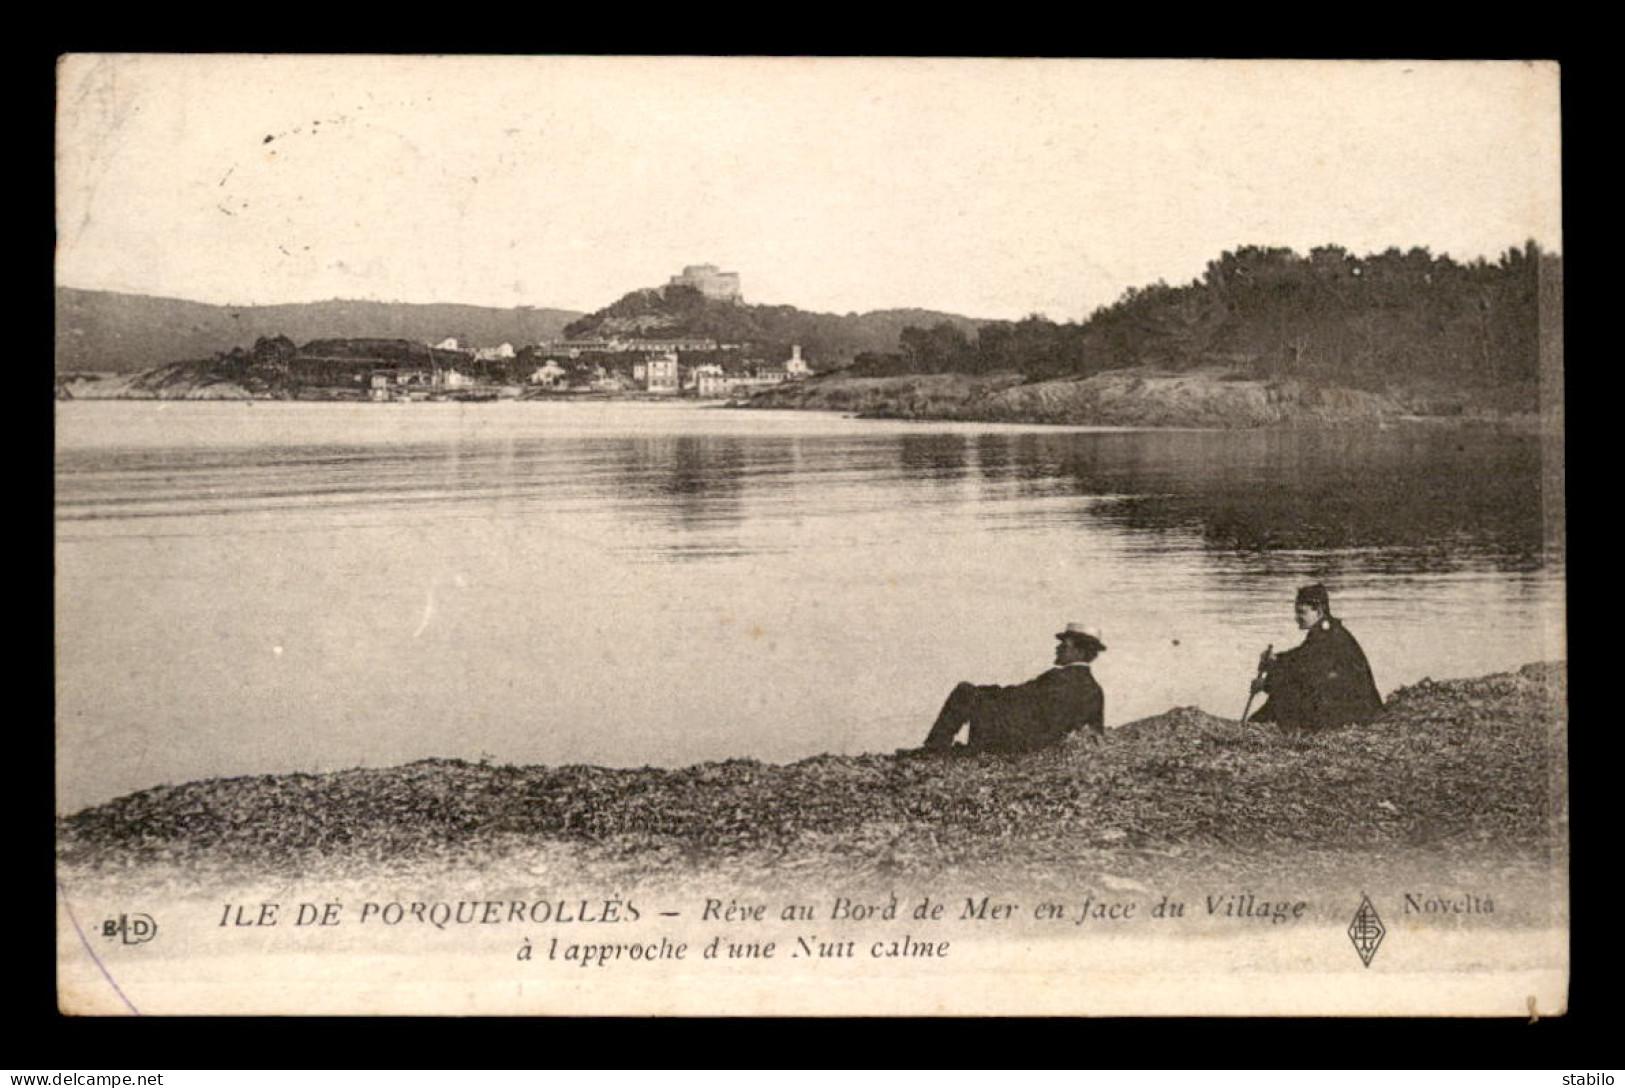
(1021, 717)
(1326, 681)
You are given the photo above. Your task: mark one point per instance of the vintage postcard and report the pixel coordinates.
(757, 536)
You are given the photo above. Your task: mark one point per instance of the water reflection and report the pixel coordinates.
(296, 590)
(1410, 500)
(694, 480)
(934, 456)
(1390, 502)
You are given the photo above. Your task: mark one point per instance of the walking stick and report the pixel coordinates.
(1263, 667)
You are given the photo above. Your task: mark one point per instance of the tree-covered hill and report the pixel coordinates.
(108, 331)
(1374, 322)
(827, 339)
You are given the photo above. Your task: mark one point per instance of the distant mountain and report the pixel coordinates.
(109, 331)
(827, 339)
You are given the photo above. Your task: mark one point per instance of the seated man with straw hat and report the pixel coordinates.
(1045, 710)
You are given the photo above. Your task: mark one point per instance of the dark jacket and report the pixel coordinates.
(1324, 682)
(1042, 711)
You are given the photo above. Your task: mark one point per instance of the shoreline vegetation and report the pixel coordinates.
(1140, 398)
(1468, 771)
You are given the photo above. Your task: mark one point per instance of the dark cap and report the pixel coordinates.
(1315, 596)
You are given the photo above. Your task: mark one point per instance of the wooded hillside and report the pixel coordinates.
(1365, 322)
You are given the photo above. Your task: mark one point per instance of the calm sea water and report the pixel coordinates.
(260, 588)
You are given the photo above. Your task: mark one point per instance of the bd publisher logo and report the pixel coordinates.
(130, 928)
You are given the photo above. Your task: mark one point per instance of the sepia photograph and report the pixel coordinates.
(741, 536)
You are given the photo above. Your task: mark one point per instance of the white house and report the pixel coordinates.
(697, 374)
(711, 383)
(660, 373)
(737, 383)
(549, 374)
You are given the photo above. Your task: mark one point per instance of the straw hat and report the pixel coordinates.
(1079, 632)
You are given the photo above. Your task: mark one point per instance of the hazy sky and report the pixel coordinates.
(985, 187)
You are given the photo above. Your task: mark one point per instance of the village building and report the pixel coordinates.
(693, 374)
(711, 383)
(576, 348)
(690, 343)
(739, 383)
(549, 375)
(398, 383)
(660, 373)
(616, 345)
(448, 344)
(502, 351)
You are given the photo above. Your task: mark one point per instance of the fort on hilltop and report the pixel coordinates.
(710, 281)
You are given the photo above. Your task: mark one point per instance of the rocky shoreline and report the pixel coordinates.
(1457, 768)
(1136, 398)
